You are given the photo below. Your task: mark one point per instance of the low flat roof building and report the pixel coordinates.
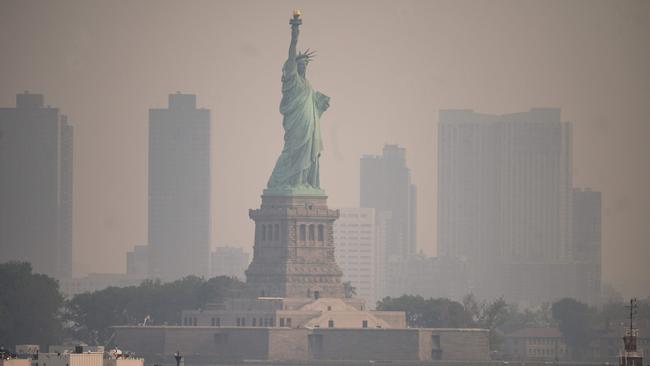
(201, 343)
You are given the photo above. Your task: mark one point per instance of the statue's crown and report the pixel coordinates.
(306, 56)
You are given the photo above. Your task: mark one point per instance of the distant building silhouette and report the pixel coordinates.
(504, 201)
(587, 243)
(179, 189)
(36, 145)
(385, 185)
(98, 281)
(229, 261)
(137, 262)
(432, 277)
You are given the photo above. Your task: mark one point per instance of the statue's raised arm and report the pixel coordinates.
(295, 31)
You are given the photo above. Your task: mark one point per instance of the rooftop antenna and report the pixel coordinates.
(630, 356)
(633, 311)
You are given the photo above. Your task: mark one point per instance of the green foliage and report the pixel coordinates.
(576, 322)
(537, 317)
(33, 311)
(428, 313)
(30, 306)
(488, 315)
(92, 314)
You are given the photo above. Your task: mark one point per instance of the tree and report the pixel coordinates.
(30, 306)
(430, 313)
(92, 314)
(575, 320)
(489, 315)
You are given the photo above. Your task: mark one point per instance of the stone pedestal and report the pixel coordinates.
(293, 256)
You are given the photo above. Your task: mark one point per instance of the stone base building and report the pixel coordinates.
(207, 344)
(295, 308)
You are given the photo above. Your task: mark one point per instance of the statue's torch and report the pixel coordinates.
(295, 21)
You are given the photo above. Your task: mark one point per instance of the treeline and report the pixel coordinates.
(579, 323)
(33, 311)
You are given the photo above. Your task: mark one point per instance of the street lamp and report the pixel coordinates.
(178, 358)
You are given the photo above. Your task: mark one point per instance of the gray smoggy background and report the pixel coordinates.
(389, 67)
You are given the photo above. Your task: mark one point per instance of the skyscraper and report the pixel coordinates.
(179, 189)
(36, 186)
(504, 197)
(587, 243)
(385, 185)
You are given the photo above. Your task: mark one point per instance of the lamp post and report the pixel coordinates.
(178, 358)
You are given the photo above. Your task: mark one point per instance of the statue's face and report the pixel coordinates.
(302, 68)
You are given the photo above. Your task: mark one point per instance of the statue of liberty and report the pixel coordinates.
(296, 170)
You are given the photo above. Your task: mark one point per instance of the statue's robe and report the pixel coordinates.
(301, 108)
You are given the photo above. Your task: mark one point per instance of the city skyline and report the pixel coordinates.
(110, 126)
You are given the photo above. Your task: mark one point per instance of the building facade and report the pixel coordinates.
(137, 261)
(433, 277)
(385, 185)
(179, 189)
(587, 243)
(535, 344)
(229, 261)
(207, 344)
(293, 253)
(504, 196)
(36, 162)
(358, 251)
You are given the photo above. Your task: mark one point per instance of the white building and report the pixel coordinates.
(359, 251)
(71, 359)
(15, 362)
(86, 356)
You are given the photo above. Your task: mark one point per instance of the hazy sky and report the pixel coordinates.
(389, 67)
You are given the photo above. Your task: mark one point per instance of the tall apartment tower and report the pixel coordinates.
(359, 251)
(179, 189)
(36, 186)
(587, 243)
(504, 197)
(385, 185)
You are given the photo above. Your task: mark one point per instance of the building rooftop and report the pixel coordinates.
(536, 333)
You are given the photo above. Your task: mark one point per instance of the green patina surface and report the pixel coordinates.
(296, 171)
(301, 190)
